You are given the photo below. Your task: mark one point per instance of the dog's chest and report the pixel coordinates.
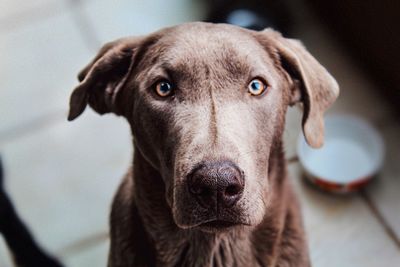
(210, 252)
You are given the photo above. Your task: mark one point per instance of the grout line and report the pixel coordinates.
(375, 211)
(28, 127)
(84, 25)
(82, 244)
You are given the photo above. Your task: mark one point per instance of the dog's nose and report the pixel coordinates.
(216, 184)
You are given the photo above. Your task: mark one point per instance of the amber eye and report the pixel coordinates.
(164, 88)
(257, 87)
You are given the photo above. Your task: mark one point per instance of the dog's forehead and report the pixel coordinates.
(209, 37)
(204, 42)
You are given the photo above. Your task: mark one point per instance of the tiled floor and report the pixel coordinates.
(62, 175)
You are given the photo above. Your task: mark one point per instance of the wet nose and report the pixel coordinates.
(216, 184)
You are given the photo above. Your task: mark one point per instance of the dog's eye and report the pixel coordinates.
(164, 88)
(257, 87)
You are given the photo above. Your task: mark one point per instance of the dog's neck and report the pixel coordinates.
(238, 247)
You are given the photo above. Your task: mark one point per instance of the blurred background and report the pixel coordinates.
(62, 175)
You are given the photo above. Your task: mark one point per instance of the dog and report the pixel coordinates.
(206, 104)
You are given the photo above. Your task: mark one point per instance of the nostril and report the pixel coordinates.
(232, 190)
(204, 191)
(201, 190)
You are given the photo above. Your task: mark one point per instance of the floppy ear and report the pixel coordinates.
(312, 84)
(102, 79)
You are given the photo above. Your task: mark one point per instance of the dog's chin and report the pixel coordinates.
(214, 226)
(218, 226)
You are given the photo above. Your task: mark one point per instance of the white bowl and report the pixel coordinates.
(352, 154)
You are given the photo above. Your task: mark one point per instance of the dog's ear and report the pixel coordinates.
(311, 83)
(102, 79)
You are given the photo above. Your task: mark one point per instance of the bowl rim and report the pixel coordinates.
(374, 135)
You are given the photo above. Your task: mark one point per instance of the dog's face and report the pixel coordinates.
(207, 104)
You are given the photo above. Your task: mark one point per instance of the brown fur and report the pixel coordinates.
(211, 117)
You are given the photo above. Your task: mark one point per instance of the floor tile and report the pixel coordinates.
(384, 191)
(62, 179)
(38, 69)
(113, 20)
(93, 256)
(341, 230)
(16, 7)
(18, 14)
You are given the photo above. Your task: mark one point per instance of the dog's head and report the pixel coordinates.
(206, 104)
